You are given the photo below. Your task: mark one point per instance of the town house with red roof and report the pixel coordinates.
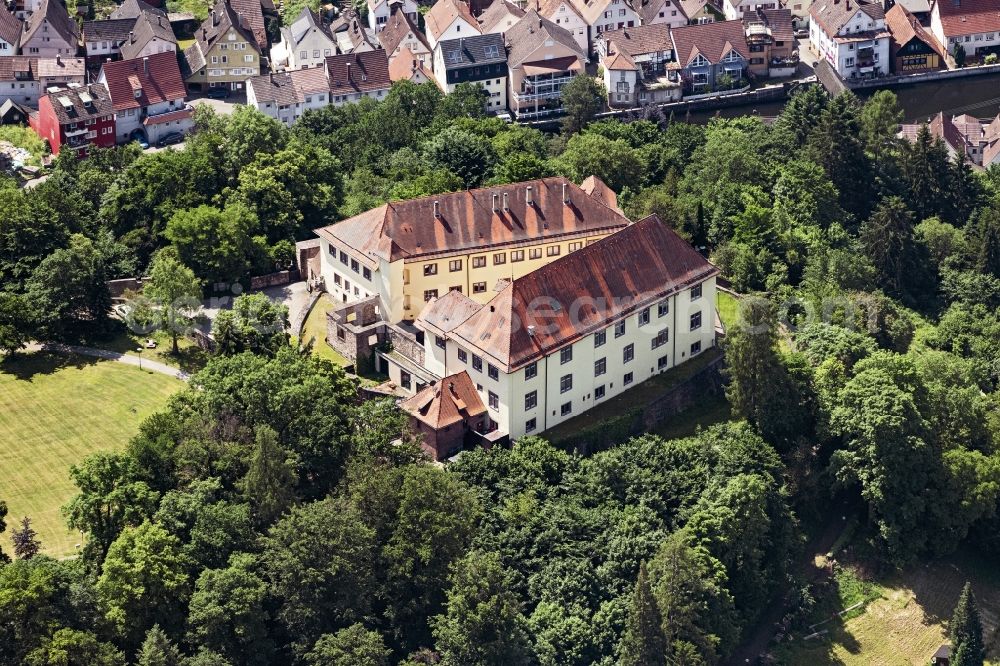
(973, 24)
(553, 343)
(448, 416)
(851, 36)
(148, 96)
(78, 118)
(406, 253)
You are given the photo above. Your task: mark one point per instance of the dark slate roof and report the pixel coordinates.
(77, 110)
(111, 30)
(475, 50)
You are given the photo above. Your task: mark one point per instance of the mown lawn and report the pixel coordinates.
(54, 411)
(729, 308)
(191, 358)
(315, 329)
(907, 619)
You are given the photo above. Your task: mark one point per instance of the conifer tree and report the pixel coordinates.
(26, 543)
(157, 650)
(643, 642)
(966, 631)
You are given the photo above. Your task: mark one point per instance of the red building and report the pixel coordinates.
(78, 118)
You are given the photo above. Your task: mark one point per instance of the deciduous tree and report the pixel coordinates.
(176, 291)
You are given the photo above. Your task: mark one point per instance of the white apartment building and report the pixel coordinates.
(851, 36)
(379, 12)
(550, 345)
(975, 24)
(285, 96)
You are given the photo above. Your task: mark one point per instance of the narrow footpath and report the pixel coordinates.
(758, 638)
(145, 364)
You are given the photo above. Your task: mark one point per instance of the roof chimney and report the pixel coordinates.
(496, 202)
(145, 65)
(215, 18)
(204, 34)
(58, 59)
(348, 65)
(437, 210)
(531, 330)
(131, 37)
(506, 202)
(529, 196)
(565, 193)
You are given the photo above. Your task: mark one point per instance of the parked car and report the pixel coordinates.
(170, 139)
(220, 92)
(142, 143)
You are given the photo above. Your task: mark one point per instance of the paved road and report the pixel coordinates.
(148, 364)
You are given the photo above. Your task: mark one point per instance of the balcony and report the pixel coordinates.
(541, 87)
(77, 131)
(170, 114)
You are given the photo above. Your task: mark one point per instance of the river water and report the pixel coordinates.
(978, 96)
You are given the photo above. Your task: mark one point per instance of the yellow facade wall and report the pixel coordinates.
(479, 282)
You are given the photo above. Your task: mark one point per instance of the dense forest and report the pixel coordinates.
(266, 516)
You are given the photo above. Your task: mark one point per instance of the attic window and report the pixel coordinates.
(454, 56)
(137, 92)
(492, 51)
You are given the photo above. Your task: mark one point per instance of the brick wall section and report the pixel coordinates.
(307, 257)
(349, 329)
(406, 345)
(273, 279)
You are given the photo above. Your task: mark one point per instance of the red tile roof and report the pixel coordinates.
(158, 77)
(833, 15)
(443, 13)
(171, 116)
(253, 15)
(712, 40)
(904, 27)
(467, 220)
(358, 72)
(450, 401)
(641, 39)
(444, 313)
(405, 65)
(583, 292)
(968, 17)
(10, 26)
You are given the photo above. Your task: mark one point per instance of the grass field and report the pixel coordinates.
(906, 621)
(191, 358)
(54, 411)
(729, 308)
(315, 328)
